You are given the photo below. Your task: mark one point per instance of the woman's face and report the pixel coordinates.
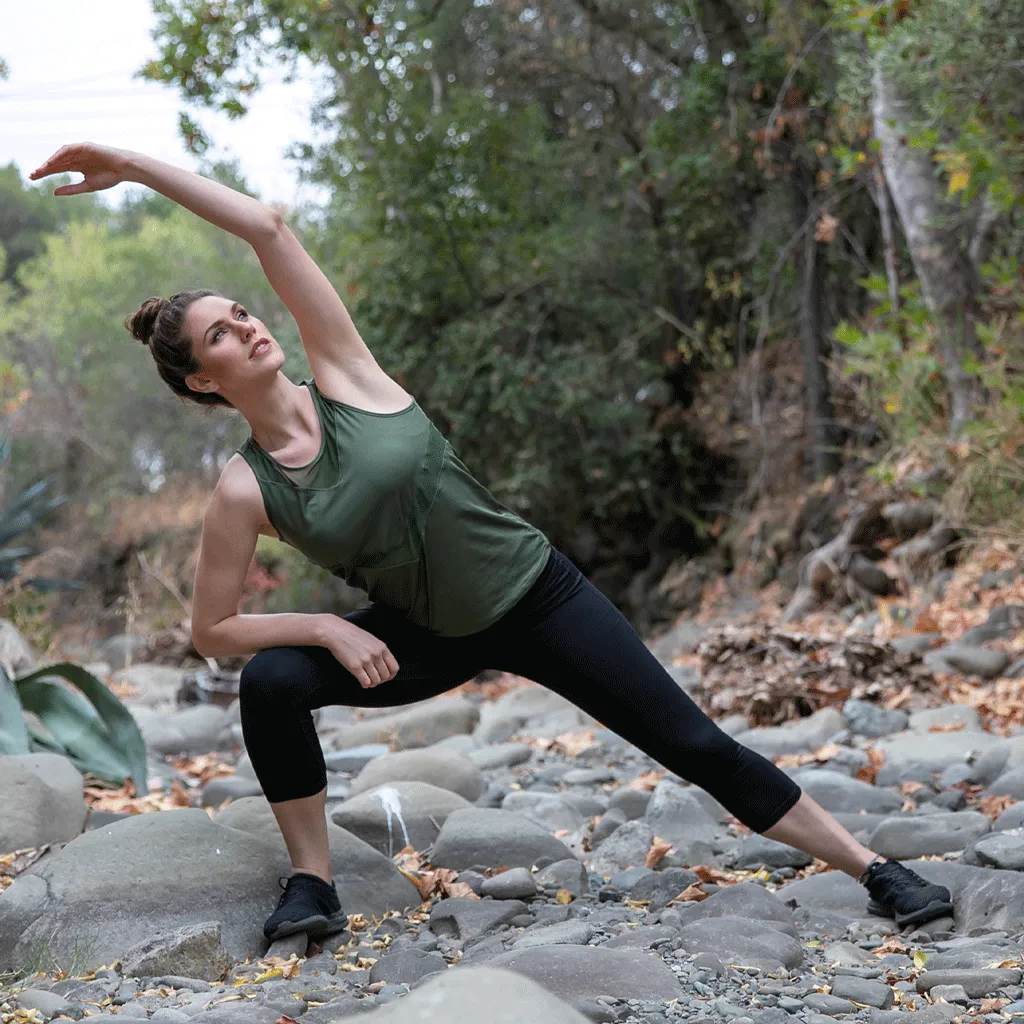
(233, 348)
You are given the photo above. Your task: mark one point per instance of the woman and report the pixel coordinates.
(350, 471)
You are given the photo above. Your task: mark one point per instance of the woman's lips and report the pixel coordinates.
(261, 346)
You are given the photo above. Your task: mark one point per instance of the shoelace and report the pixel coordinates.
(899, 872)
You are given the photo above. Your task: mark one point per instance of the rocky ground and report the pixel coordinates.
(504, 858)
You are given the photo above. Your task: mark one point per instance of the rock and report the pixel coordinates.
(353, 759)
(118, 651)
(862, 990)
(914, 643)
(676, 815)
(444, 769)
(751, 942)
(916, 758)
(1010, 783)
(867, 719)
(939, 1013)
(569, 874)
(478, 835)
(229, 787)
(610, 821)
(407, 966)
(950, 714)
(192, 951)
(975, 661)
(839, 793)
(49, 1004)
(587, 972)
(626, 847)
(950, 994)
(917, 836)
(522, 710)
(545, 809)
(744, 899)
(998, 850)
(757, 851)
(846, 954)
(156, 684)
(562, 933)
(1012, 817)
(463, 918)
(400, 814)
(588, 776)
(995, 761)
(644, 937)
(830, 1005)
(412, 727)
(658, 887)
(194, 730)
(632, 802)
(976, 984)
(468, 995)
(367, 882)
(514, 884)
(461, 743)
(41, 799)
(1016, 670)
(500, 755)
(797, 737)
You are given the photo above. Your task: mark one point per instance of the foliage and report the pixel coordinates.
(87, 723)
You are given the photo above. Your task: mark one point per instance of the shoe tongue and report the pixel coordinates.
(305, 876)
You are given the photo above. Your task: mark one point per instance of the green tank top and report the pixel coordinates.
(387, 505)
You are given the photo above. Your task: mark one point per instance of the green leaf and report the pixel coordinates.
(97, 730)
(14, 737)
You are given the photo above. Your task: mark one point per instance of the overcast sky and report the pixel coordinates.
(71, 65)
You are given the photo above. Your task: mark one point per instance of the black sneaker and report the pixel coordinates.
(903, 894)
(308, 904)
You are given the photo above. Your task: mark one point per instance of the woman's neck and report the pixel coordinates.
(281, 417)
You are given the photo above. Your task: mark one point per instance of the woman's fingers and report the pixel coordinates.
(390, 664)
(73, 190)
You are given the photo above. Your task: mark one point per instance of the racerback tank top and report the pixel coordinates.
(387, 505)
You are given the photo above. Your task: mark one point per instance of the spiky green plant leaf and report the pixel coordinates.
(97, 731)
(14, 737)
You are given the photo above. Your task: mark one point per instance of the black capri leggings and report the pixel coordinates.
(563, 633)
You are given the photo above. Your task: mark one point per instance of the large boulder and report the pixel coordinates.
(796, 737)
(837, 792)
(577, 973)
(397, 815)
(445, 769)
(155, 684)
(492, 838)
(122, 884)
(469, 995)
(522, 710)
(914, 758)
(416, 726)
(194, 730)
(367, 882)
(921, 835)
(677, 815)
(41, 800)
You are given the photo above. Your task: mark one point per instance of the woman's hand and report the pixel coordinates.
(363, 654)
(102, 166)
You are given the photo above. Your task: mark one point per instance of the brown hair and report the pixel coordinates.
(160, 325)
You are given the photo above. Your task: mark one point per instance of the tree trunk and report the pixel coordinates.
(938, 245)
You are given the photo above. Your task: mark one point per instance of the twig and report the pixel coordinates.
(169, 584)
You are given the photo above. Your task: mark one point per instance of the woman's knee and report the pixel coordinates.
(274, 674)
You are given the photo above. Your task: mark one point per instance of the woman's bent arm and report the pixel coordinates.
(233, 211)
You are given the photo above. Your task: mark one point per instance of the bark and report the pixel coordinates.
(892, 274)
(938, 247)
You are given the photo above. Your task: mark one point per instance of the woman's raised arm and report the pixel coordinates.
(333, 346)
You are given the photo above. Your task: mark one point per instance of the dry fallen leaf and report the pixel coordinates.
(659, 849)
(646, 780)
(993, 1004)
(947, 727)
(572, 744)
(563, 896)
(691, 894)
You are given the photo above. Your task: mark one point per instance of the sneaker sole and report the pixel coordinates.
(937, 908)
(315, 926)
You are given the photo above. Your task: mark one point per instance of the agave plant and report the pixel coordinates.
(88, 725)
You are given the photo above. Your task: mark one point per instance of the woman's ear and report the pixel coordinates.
(199, 383)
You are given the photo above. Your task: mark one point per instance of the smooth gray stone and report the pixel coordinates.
(500, 755)
(661, 886)
(193, 950)
(567, 933)
(632, 802)
(997, 850)
(491, 837)
(460, 743)
(978, 956)
(860, 990)
(445, 769)
(625, 880)
(548, 810)
(846, 954)
(839, 793)
(464, 918)
(794, 737)
(752, 942)
(586, 972)
(514, 884)
(745, 899)
(950, 993)
(43, 800)
(976, 983)
(976, 661)
(229, 787)
(626, 847)
(949, 714)
(588, 776)
(567, 874)
(756, 851)
(820, 1002)
(911, 758)
(941, 832)
(49, 1004)
(643, 937)
(938, 1013)
(1012, 817)
(520, 711)
(1010, 783)
(193, 730)
(412, 727)
(407, 966)
(353, 759)
(914, 643)
(868, 719)
(610, 821)
(398, 814)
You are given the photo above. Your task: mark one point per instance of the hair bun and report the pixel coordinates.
(142, 322)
